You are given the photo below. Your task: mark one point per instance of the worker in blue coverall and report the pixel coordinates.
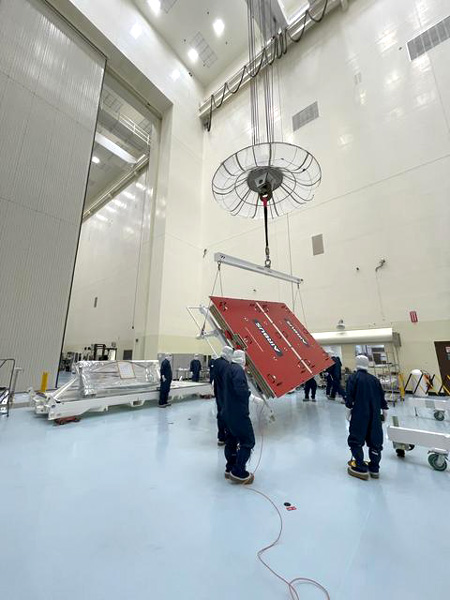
(365, 401)
(165, 381)
(240, 438)
(335, 371)
(211, 363)
(221, 366)
(310, 387)
(195, 368)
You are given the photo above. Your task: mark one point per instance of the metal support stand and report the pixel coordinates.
(405, 440)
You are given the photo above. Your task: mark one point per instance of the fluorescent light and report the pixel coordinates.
(155, 5)
(119, 203)
(140, 186)
(95, 160)
(175, 74)
(219, 27)
(110, 209)
(193, 54)
(101, 217)
(129, 196)
(136, 31)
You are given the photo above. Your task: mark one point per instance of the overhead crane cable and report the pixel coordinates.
(278, 46)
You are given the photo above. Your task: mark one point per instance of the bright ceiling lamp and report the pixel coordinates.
(219, 27)
(136, 31)
(193, 54)
(155, 5)
(95, 160)
(175, 75)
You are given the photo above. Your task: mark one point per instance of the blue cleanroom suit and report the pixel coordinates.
(240, 439)
(365, 398)
(221, 366)
(195, 369)
(165, 381)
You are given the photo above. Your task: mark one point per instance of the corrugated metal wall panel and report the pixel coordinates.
(50, 85)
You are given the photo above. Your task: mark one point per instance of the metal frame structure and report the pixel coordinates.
(68, 403)
(7, 393)
(405, 440)
(438, 405)
(232, 261)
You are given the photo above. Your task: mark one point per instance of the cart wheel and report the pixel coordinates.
(437, 461)
(400, 453)
(439, 415)
(411, 447)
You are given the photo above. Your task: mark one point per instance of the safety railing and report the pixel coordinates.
(431, 384)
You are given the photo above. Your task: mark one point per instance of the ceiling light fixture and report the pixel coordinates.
(140, 186)
(95, 160)
(193, 54)
(219, 27)
(155, 5)
(129, 196)
(175, 75)
(136, 31)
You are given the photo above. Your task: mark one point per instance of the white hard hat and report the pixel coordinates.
(239, 357)
(227, 353)
(362, 363)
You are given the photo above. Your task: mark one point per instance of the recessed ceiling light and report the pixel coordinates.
(136, 31)
(175, 74)
(140, 186)
(193, 54)
(155, 5)
(129, 196)
(219, 27)
(95, 160)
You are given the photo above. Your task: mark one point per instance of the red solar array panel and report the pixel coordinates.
(282, 354)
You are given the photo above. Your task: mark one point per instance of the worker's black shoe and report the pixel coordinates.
(313, 399)
(305, 399)
(355, 471)
(220, 443)
(374, 474)
(247, 479)
(227, 474)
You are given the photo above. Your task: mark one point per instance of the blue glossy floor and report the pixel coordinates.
(133, 505)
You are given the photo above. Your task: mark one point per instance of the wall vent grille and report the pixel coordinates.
(305, 116)
(317, 244)
(429, 39)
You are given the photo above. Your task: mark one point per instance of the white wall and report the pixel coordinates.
(384, 148)
(50, 82)
(112, 266)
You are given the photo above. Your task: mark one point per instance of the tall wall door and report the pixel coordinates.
(50, 84)
(443, 356)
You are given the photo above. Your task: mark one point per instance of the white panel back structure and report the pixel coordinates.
(50, 84)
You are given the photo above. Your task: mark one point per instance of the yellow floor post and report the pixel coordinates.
(401, 385)
(44, 382)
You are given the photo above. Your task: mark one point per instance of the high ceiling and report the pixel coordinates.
(186, 24)
(189, 24)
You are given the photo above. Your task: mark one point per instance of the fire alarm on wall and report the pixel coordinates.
(413, 316)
